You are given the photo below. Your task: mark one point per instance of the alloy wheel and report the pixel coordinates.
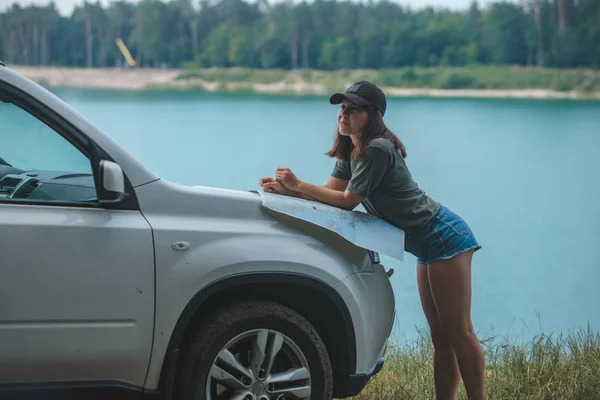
(260, 364)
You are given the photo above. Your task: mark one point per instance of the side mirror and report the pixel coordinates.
(111, 183)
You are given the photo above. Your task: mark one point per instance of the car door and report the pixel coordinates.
(76, 278)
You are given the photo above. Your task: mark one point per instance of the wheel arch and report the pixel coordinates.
(312, 298)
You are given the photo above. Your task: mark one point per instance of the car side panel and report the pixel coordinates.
(76, 294)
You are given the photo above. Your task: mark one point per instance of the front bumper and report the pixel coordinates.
(372, 305)
(356, 383)
(370, 300)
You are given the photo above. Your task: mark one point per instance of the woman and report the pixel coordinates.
(370, 169)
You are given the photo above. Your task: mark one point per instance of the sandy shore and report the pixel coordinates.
(145, 79)
(100, 78)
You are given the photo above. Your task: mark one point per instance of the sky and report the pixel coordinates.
(66, 6)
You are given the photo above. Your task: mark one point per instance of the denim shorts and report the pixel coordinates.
(444, 236)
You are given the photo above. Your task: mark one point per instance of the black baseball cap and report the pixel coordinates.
(362, 93)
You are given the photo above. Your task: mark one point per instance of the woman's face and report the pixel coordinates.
(351, 119)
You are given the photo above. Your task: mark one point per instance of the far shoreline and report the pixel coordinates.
(147, 79)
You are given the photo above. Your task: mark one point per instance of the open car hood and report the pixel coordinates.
(362, 229)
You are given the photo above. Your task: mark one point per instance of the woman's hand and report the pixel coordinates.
(270, 185)
(286, 177)
(278, 188)
(267, 179)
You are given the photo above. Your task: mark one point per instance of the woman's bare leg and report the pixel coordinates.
(445, 368)
(450, 283)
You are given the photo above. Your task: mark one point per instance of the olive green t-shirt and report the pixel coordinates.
(383, 179)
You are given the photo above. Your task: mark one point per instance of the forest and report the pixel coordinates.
(322, 34)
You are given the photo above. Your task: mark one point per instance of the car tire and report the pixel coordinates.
(247, 330)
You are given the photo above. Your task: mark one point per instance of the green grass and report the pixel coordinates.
(549, 367)
(475, 77)
(512, 78)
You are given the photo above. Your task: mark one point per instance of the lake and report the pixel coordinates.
(524, 174)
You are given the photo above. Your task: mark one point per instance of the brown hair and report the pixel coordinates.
(344, 150)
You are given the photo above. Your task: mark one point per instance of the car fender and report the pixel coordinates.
(183, 284)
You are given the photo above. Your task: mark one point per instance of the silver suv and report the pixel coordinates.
(115, 282)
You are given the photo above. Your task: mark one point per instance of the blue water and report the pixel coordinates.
(524, 174)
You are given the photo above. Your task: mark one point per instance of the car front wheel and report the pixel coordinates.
(255, 350)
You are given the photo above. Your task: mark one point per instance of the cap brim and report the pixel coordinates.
(338, 98)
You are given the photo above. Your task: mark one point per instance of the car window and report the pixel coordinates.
(38, 164)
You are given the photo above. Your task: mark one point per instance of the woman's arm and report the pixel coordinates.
(278, 188)
(368, 173)
(332, 183)
(338, 198)
(342, 199)
(272, 186)
(336, 184)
